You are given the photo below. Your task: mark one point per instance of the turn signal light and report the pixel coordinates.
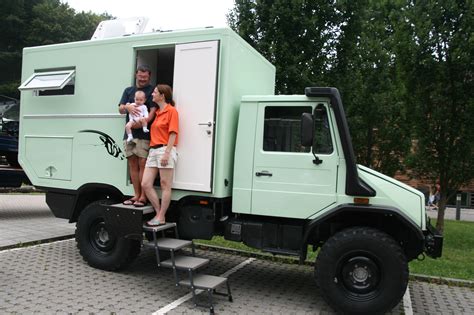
(203, 202)
(364, 201)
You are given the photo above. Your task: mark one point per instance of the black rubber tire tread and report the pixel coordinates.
(394, 270)
(123, 253)
(12, 159)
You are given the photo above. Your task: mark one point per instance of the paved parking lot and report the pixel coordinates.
(27, 218)
(53, 278)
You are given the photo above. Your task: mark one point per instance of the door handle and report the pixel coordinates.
(264, 173)
(209, 124)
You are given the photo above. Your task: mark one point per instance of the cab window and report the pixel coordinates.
(282, 129)
(322, 143)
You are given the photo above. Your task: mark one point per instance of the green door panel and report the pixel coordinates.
(286, 182)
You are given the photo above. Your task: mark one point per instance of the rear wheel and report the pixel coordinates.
(12, 159)
(99, 246)
(362, 270)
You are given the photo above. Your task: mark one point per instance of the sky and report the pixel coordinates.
(162, 14)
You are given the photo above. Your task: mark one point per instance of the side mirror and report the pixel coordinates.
(307, 129)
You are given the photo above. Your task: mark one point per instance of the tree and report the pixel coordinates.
(364, 71)
(435, 49)
(346, 44)
(293, 35)
(33, 23)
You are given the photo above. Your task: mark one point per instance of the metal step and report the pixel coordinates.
(185, 263)
(204, 281)
(159, 227)
(144, 210)
(169, 243)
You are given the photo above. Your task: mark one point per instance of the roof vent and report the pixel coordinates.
(120, 27)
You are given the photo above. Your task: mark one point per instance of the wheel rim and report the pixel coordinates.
(100, 239)
(359, 274)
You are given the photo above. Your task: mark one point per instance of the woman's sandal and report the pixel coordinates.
(155, 222)
(129, 202)
(139, 203)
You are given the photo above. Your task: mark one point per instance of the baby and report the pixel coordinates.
(141, 118)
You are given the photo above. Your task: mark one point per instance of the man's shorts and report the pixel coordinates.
(138, 147)
(154, 158)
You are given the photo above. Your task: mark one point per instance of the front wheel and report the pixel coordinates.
(99, 247)
(362, 270)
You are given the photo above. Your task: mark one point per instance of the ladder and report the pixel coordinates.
(185, 264)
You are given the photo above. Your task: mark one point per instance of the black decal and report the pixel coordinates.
(109, 143)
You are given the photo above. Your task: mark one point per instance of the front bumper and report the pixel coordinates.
(433, 241)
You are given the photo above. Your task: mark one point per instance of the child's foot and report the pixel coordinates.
(129, 139)
(145, 129)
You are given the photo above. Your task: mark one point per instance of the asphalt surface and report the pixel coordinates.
(53, 278)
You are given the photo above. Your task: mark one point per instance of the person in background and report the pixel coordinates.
(163, 156)
(136, 151)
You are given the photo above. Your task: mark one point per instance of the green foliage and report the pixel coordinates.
(33, 23)
(435, 49)
(404, 69)
(458, 250)
(293, 35)
(346, 44)
(364, 71)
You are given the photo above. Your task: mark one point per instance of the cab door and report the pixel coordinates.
(287, 179)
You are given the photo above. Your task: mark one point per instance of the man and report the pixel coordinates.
(137, 150)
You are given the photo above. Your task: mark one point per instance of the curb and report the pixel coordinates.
(25, 189)
(38, 242)
(292, 260)
(441, 280)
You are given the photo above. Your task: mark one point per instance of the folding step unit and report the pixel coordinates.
(188, 264)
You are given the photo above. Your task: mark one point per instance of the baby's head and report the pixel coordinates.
(140, 97)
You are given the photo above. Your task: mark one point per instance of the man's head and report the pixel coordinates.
(142, 76)
(140, 97)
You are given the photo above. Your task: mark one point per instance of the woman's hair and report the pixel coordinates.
(168, 93)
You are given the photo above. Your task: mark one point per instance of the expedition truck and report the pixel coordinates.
(276, 172)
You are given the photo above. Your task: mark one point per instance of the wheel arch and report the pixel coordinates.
(387, 219)
(68, 204)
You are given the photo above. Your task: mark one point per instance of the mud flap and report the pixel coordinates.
(125, 221)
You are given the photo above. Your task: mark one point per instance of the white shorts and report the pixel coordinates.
(155, 155)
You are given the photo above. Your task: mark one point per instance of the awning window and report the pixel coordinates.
(54, 80)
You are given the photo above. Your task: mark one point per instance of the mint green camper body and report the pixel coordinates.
(276, 172)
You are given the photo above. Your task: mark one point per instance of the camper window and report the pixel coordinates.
(50, 83)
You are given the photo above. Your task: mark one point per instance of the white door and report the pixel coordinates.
(194, 89)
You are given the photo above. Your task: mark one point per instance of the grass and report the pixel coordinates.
(456, 262)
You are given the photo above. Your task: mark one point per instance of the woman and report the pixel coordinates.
(162, 156)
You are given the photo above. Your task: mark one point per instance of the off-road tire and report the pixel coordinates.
(361, 270)
(99, 247)
(12, 159)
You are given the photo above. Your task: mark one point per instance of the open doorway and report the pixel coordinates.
(161, 61)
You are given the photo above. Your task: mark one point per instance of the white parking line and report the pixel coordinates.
(407, 302)
(188, 296)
